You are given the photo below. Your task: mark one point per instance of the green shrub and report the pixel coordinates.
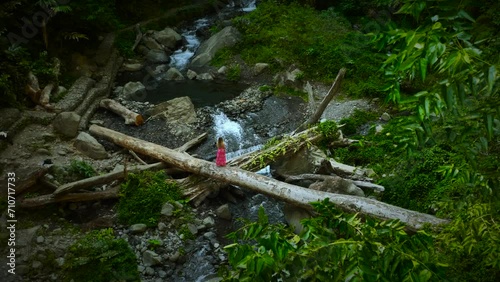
(100, 257)
(124, 42)
(335, 247)
(143, 195)
(356, 120)
(81, 169)
(234, 72)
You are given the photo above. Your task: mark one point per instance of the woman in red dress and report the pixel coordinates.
(220, 160)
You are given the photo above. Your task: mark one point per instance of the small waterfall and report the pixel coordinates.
(250, 7)
(181, 57)
(231, 131)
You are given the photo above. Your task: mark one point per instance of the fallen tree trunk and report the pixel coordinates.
(129, 116)
(361, 184)
(108, 177)
(73, 197)
(290, 193)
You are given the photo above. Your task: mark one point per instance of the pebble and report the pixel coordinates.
(40, 239)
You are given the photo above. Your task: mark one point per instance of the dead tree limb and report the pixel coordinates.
(129, 116)
(334, 90)
(290, 193)
(138, 37)
(72, 197)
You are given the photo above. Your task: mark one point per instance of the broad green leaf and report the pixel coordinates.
(465, 15)
(489, 125)
(436, 25)
(423, 68)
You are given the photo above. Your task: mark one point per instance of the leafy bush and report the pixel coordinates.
(234, 72)
(124, 42)
(82, 169)
(143, 195)
(335, 247)
(356, 120)
(100, 257)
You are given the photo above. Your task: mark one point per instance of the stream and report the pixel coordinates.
(243, 132)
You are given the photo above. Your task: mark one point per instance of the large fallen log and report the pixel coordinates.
(283, 191)
(129, 116)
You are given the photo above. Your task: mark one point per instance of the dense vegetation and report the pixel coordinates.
(439, 154)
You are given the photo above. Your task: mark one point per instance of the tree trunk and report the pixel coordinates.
(73, 197)
(129, 116)
(322, 106)
(283, 191)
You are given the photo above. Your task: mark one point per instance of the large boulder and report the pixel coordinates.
(307, 160)
(67, 123)
(89, 146)
(157, 56)
(168, 38)
(178, 110)
(227, 37)
(151, 43)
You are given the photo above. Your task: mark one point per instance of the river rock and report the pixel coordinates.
(158, 57)
(204, 76)
(25, 236)
(167, 209)
(260, 67)
(151, 258)
(151, 43)
(306, 160)
(293, 216)
(191, 74)
(132, 90)
(224, 212)
(385, 117)
(67, 124)
(178, 110)
(209, 221)
(222, 70)
(9, 116)
(174, 74)
(227, 37)
(89, 146)
(138, 228)
(169, 38)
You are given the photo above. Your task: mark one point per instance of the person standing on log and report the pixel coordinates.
(220, 159)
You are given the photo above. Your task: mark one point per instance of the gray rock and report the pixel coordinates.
(40, 239)
(191, 74)
(151, 258)
(132, 90)
(385, 117)
(157, 56)
(162, 274)
(9, 117)
(178, 110)
(379, 128)
(227, 37)
(224, 212)
(162, 226)
(67, 123)
(168, 38)
(25, 236)
(174, 74)
(192, 228)
(141, 268)
(208, 221)
(89, 146)
(260, 67)
(43, 151)
(222, 70)
(132, 67)
(151, 43)
(138, 228)
(204, 76)
(48, 137)
(175, 256)
(60, 261)
(167, 209)
(293, 216)
(210, 235)
(149, 271)
(36, 264)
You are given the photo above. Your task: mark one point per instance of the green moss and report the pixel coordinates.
(234, 72)
(100, 257)
(143, 195)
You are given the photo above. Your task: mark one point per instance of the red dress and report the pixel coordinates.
(220, 160)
